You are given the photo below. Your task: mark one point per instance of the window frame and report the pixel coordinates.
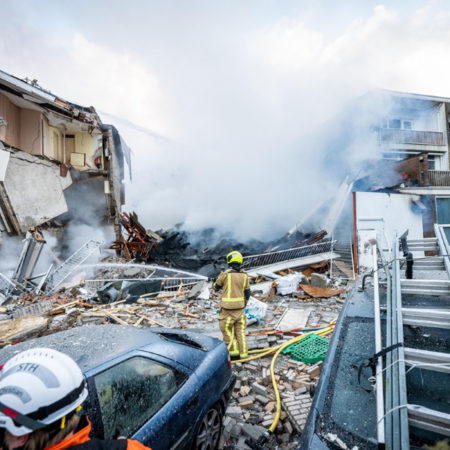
(384, 123)
(94, 399)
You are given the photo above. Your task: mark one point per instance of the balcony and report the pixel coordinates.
(439, 178)
(398, 136)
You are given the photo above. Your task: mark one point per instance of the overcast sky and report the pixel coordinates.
(227, 87)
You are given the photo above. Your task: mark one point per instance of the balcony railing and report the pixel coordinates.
(396, 136)
(439, 178)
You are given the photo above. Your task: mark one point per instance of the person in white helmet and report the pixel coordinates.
(41, 391)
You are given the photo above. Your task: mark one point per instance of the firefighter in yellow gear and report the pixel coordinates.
(236, 294)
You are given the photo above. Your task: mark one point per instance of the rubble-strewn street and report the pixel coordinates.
(277, 319)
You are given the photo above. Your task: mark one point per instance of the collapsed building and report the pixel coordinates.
(54, 156)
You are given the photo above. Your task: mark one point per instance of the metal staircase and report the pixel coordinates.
(394, 415)
(66, 268)
(343, 267)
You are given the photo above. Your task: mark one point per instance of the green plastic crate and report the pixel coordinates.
(310, 349)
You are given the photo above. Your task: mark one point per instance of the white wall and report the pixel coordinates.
(379, 213)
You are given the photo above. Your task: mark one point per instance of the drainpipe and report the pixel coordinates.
(64, 146)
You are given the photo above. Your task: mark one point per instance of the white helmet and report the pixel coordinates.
(38, 387)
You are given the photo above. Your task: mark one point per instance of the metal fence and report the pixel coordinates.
(10, 287)
(169, 284)
(265, 259)
(439, 177)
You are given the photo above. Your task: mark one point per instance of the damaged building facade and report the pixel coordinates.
(54, 157)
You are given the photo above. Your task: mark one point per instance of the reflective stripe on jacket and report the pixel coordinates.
(80, 441)
(233, 284)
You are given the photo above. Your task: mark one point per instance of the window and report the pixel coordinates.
(431, 162)
(407, 125)
(130, 392)
(395, 123)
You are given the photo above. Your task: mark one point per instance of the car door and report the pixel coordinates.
(146, 397)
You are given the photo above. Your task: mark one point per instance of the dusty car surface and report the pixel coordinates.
(165, 388)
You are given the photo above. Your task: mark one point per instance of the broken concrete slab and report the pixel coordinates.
(22, 329)
(196, 290)
(319, 280)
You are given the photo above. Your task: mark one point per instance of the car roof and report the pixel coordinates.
(90, 346)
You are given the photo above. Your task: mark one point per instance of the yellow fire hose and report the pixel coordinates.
(277, 350)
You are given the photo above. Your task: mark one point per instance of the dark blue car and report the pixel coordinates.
(165, 388)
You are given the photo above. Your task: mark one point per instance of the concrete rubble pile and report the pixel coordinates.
(195, 307)
(253, 406)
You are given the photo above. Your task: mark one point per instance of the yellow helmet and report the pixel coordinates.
(234, 257)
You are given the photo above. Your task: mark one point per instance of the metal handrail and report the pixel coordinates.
(266, 259)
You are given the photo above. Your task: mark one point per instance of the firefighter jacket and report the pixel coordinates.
(233, 284)
(81, 441)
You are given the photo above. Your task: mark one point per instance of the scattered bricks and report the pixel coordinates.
(250, 367)
(285, 437)
(267, 423)
(247, 398)
(253, 431)
(314, 371)
(270, 407)
(244, 381)
(241, 445)
(245, 390)
(245, 405)
(283, 415)
(227, 429)
(258, 389)
(236, 430)
(234, 411)
(237, 386)
(254, 418)
(300, 390)
(261, 399)
(263, 345)
(277, 378)
(246, 416)
(288, 387)
(288, 427)
(281, 388)
(268, 417)
(261, 337)
(242, 374)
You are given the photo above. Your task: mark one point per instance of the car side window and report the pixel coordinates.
(132, 391)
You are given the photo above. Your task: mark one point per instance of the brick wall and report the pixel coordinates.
(416, 169)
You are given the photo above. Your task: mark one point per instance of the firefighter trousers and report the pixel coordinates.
(234, 318)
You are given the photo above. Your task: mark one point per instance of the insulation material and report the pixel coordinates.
(321, 292)
(293, 318)
(289, 284)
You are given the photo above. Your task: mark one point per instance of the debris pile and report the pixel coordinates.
(253, 406)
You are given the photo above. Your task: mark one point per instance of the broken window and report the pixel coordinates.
(130, 392)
